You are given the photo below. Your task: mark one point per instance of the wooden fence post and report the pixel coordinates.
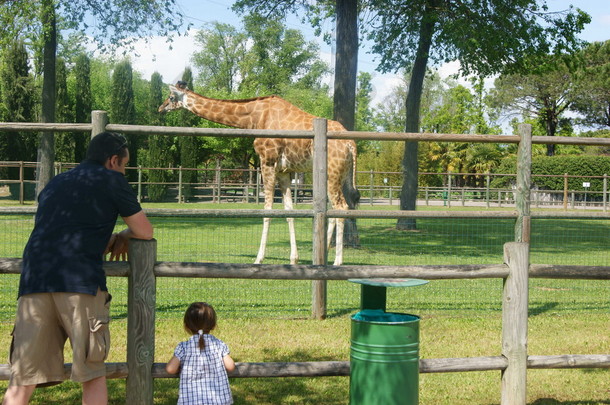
(449, 190)
(99, 120)
(21, 184)
(320, 184)
(514, 323)
(487, 184)
(180, 199)
(139, 183)
(372, 190)
(605, 192)
(565, 191)
(141, 293)
(524, 182)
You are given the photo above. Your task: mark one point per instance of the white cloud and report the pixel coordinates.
(167, 58)
(383, 85)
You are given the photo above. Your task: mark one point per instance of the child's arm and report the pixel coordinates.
(173, 365)
(229, 363)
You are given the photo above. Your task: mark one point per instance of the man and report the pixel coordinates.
(62, 290)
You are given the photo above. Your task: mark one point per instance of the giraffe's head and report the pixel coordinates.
(176, 99)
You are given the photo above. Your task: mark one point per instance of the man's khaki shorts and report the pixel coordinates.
(44, 322)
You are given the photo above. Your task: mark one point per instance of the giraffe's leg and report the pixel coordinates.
(263, 246)
(337, 200)
(339, 242)
(331, 228)
(268, 173)
(284, 182)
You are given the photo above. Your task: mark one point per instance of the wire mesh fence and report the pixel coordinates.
(446, 241)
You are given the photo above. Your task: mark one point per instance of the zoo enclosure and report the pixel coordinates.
(516, 269)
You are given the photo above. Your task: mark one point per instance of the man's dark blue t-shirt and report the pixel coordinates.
(77, 213)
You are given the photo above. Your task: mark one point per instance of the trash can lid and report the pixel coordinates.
(389, 282)
(377, 315)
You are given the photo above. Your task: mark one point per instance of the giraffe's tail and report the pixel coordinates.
(353, 197)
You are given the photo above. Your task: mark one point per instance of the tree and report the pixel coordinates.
(592, 90)
(485, 37)
(158, 145)
(364, 113)
(223, 49)
(18, 105)
(544, 94)
(64, 112)
(122, 110)
(82, 103)
(278, 57)
(188, 145)
(117, 24)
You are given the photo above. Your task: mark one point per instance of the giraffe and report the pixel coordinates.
(279, 157)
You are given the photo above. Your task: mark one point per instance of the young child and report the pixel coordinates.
(203, 360)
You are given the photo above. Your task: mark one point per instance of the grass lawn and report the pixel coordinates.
(268, 320)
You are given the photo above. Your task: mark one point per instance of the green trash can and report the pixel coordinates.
(384, 353)
(384, 358)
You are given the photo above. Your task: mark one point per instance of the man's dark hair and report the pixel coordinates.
(105, 145)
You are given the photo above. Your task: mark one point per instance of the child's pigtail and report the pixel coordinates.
(201, 340)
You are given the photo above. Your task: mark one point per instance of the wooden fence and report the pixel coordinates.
(220, 184)
(513, 361)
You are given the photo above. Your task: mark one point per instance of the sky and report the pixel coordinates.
(156, 55)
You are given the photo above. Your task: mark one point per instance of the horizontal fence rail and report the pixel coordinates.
(342, 368)
(363, 135)
(320, 272)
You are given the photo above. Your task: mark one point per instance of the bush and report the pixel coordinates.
(583, 165)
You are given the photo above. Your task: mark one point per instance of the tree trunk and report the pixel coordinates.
(346, 72)
(408, 193)
(550, 121)
(46, 148)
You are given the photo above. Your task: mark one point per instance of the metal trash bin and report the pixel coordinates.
(384, 351)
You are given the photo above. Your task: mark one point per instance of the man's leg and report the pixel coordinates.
(18, 394)
(95, 392)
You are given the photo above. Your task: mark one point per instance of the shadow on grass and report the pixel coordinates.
(551, 401)
(541, 309)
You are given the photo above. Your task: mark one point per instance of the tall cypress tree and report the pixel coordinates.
(158, 145)
(123, 109)
(64, 141)
(188, 144)
(19, 106)
(82, 104)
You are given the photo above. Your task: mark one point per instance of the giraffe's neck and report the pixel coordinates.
(246, 114)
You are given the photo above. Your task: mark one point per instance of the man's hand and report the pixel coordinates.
(118, 246)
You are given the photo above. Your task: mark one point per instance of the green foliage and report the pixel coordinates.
(223, 48)
(364, 114)
(544, 94)
(592, 98)
(486, 37)
(575, 166)
(122, 109)
(64, 112)
(265, 58)
(158, 145)
(19, 105)
(188, 145)
(82, 103)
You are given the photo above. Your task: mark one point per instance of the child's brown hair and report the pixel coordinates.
(200, 316)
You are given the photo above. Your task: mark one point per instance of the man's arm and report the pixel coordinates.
(138, 227)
